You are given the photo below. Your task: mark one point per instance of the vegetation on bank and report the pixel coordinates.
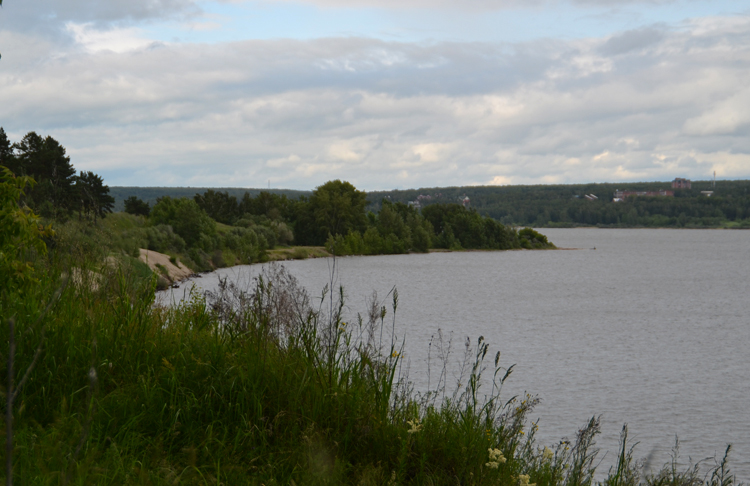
(259, 386)
(216, 229)
(57, 191)
(546, 206)
(554, 205)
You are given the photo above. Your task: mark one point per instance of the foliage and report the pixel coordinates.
(94, 195)
(21, 234)
(219, 205)
(6, 150)
(58, 191)
(151, 194)
(162, 238)
(397, 228)
(136, 206)
(334, 216)
(337, 207)
(46, 161)
(268, 204)
(566, 205)
(457, 227)
(187, 219)
(533, 240)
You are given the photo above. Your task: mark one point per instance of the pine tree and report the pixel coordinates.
(7, 158)
(93, 195)
(45, 160)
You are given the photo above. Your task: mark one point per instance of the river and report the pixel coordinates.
(648, 327)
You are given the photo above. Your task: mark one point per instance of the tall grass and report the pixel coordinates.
(266, 385)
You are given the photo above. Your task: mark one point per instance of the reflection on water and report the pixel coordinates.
(650, 329)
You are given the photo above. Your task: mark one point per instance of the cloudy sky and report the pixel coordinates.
(383, 93)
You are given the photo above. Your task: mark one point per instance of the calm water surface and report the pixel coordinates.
(651, 329)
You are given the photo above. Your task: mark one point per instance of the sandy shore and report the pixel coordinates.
(155, 260)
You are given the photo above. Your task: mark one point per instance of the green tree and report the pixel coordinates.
(219, 205)
(303, 222)
(337, 208)
(187, 219)
(93, 195)
(135, 205)
(456, 226)
(266, 204)
(7, 158)
(20, 233)
(45, 160)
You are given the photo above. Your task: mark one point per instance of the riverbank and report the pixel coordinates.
(165, 266)
(268, 387)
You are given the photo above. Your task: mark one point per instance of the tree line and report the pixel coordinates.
(567, 205)
(334, 216)
(58, 191)
(215, 228)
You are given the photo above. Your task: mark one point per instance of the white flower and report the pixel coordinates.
(496, 458)
(415, 426)
(496, 455)
(547, 454)
(524, 480)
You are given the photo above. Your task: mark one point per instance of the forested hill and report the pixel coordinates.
(543, 205)
(567, 205)
(151, 194)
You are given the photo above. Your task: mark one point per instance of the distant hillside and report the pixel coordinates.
(150, 194)
(567, 205)
(545, 205)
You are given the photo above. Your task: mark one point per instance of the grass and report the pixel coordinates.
(297, 253)
(266, 386)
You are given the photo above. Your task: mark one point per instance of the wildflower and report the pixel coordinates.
(496, 458)
(547, 454)
(524, 480)
(395, 354)
(93, 378)
(393, 479)
(414, 426)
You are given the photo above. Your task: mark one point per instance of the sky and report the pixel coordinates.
(386, 94)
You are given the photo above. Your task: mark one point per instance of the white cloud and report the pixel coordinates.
(478, 5)
(723, 118)
(113, 39)
(382, 114)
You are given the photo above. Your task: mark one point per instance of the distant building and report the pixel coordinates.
(415, 204)
(590, 197)
(621, 195)
(465, 201)
(680, 183)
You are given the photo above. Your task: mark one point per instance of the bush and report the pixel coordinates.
(163, 239)
(21, 234)
(531, 239)
(136, 206)
(187, 219)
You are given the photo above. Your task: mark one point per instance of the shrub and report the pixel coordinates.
(187, 219)
(162, 238)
